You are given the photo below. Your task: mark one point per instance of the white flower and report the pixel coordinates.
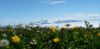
(38, 31)
(33, 42)
(4, 42)
(4, 35)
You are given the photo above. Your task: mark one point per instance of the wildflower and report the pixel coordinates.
(20, 35)
(4, 43)
(33, 42)
(63, 28)
(53, 28)
(15, 39)
(4, 35)
(56, 40)
(98, 34)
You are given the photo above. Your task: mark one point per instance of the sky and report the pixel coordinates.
(49, 12)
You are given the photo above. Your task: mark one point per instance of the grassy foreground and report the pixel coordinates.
(30, 37)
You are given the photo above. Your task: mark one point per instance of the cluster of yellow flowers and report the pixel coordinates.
(15, 39)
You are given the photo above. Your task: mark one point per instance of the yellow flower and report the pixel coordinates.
(56, 40)
(98, 34)
(15, 39)
(53, 28)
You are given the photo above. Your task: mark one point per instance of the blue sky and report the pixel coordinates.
(47, 12)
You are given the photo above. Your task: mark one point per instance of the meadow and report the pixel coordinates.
(36, 37)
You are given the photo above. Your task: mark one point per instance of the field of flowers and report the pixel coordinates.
(35, 37)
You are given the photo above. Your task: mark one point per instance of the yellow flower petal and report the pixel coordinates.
(56, 40)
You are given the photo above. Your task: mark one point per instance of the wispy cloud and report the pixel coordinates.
(41, 22)
(55, 1)
(83, 16)
(67, 21)
(44, 22)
